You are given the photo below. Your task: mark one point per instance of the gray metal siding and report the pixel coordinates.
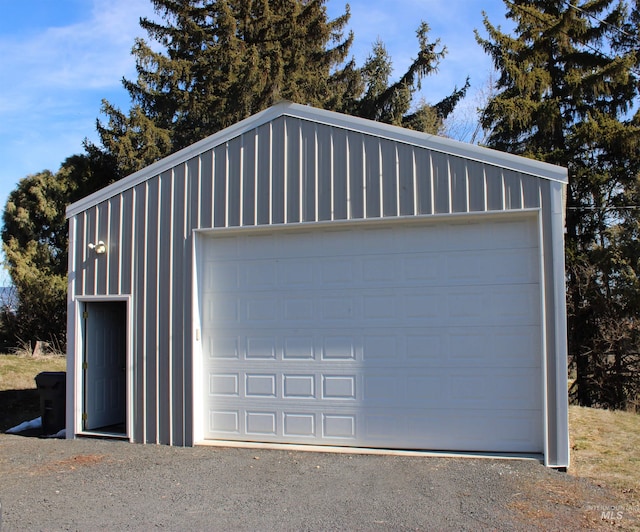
(287, 171)
(139, 311)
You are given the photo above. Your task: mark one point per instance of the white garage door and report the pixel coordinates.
(413, 336)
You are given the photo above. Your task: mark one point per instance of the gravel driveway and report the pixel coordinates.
(91, 484)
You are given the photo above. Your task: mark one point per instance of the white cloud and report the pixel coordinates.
(91, 54)
(54, 78)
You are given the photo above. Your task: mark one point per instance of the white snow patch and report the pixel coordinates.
(25, 425)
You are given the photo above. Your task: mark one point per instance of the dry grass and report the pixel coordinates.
(604, 449)
(17, 372)
(19, 399)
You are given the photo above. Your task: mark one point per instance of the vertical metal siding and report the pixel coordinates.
(441, 181)
(389, 178)
(205, 203)
(324, 167)
(459, 185)
(278, 166)
(372, 177)
(90, 265)
(308, 172)
(340, 170)
(355, 151)
(114, 245)
(287, 171)
(293, 161)
(80, 249)
(423, 182)
(179, 292)
(494, 188)
(234, 183)
(220, 186)
(139, 259)
(151, 310)
(192, 220)
(512, 191)
(531, 192)
(248, 178)
(263, 175)
(406, 180)
(127, 233)
(476, 191)
(163, 306)
(102, 233)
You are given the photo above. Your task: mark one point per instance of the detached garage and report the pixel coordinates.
(313, 278)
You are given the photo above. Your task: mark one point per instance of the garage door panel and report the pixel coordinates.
(512, 233)
(300, 347)
(220, 309)
(514, 346)
(430, 268)
(338, 346)
(260, 385)
(296, 386)
(223, 423)
(256, 274)
(410, 336)
(224, 384)
(438, 388)
(217, 345)
(507, 431)
(423, 268)
(510, 266)
(298, 308)
(295, 274)
(341, 242)
(488, 305)
(515, 262)
(513, 266)
(300, 425)
(381, 269)
(260, 347)
(260, 423)
(510, 431)
(338, 272)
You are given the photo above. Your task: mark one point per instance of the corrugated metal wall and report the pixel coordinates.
(286, 171)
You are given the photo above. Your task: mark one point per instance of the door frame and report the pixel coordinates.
(76, 365)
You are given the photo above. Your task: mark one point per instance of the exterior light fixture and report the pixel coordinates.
(100, 248)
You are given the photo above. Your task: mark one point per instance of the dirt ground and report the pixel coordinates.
(93, 484)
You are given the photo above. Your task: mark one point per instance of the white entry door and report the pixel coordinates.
(404, 335)
(105, 349)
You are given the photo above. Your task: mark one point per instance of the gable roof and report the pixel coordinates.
(333, 119)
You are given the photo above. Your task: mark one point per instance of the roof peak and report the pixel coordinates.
(332, 119)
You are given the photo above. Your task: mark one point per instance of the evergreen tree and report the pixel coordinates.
(392, 103)
(35, 242)
(568, 82)
(223, 61)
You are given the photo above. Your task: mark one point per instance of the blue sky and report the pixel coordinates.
(59, 58)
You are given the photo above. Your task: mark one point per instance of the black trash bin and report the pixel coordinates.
(52, 390)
